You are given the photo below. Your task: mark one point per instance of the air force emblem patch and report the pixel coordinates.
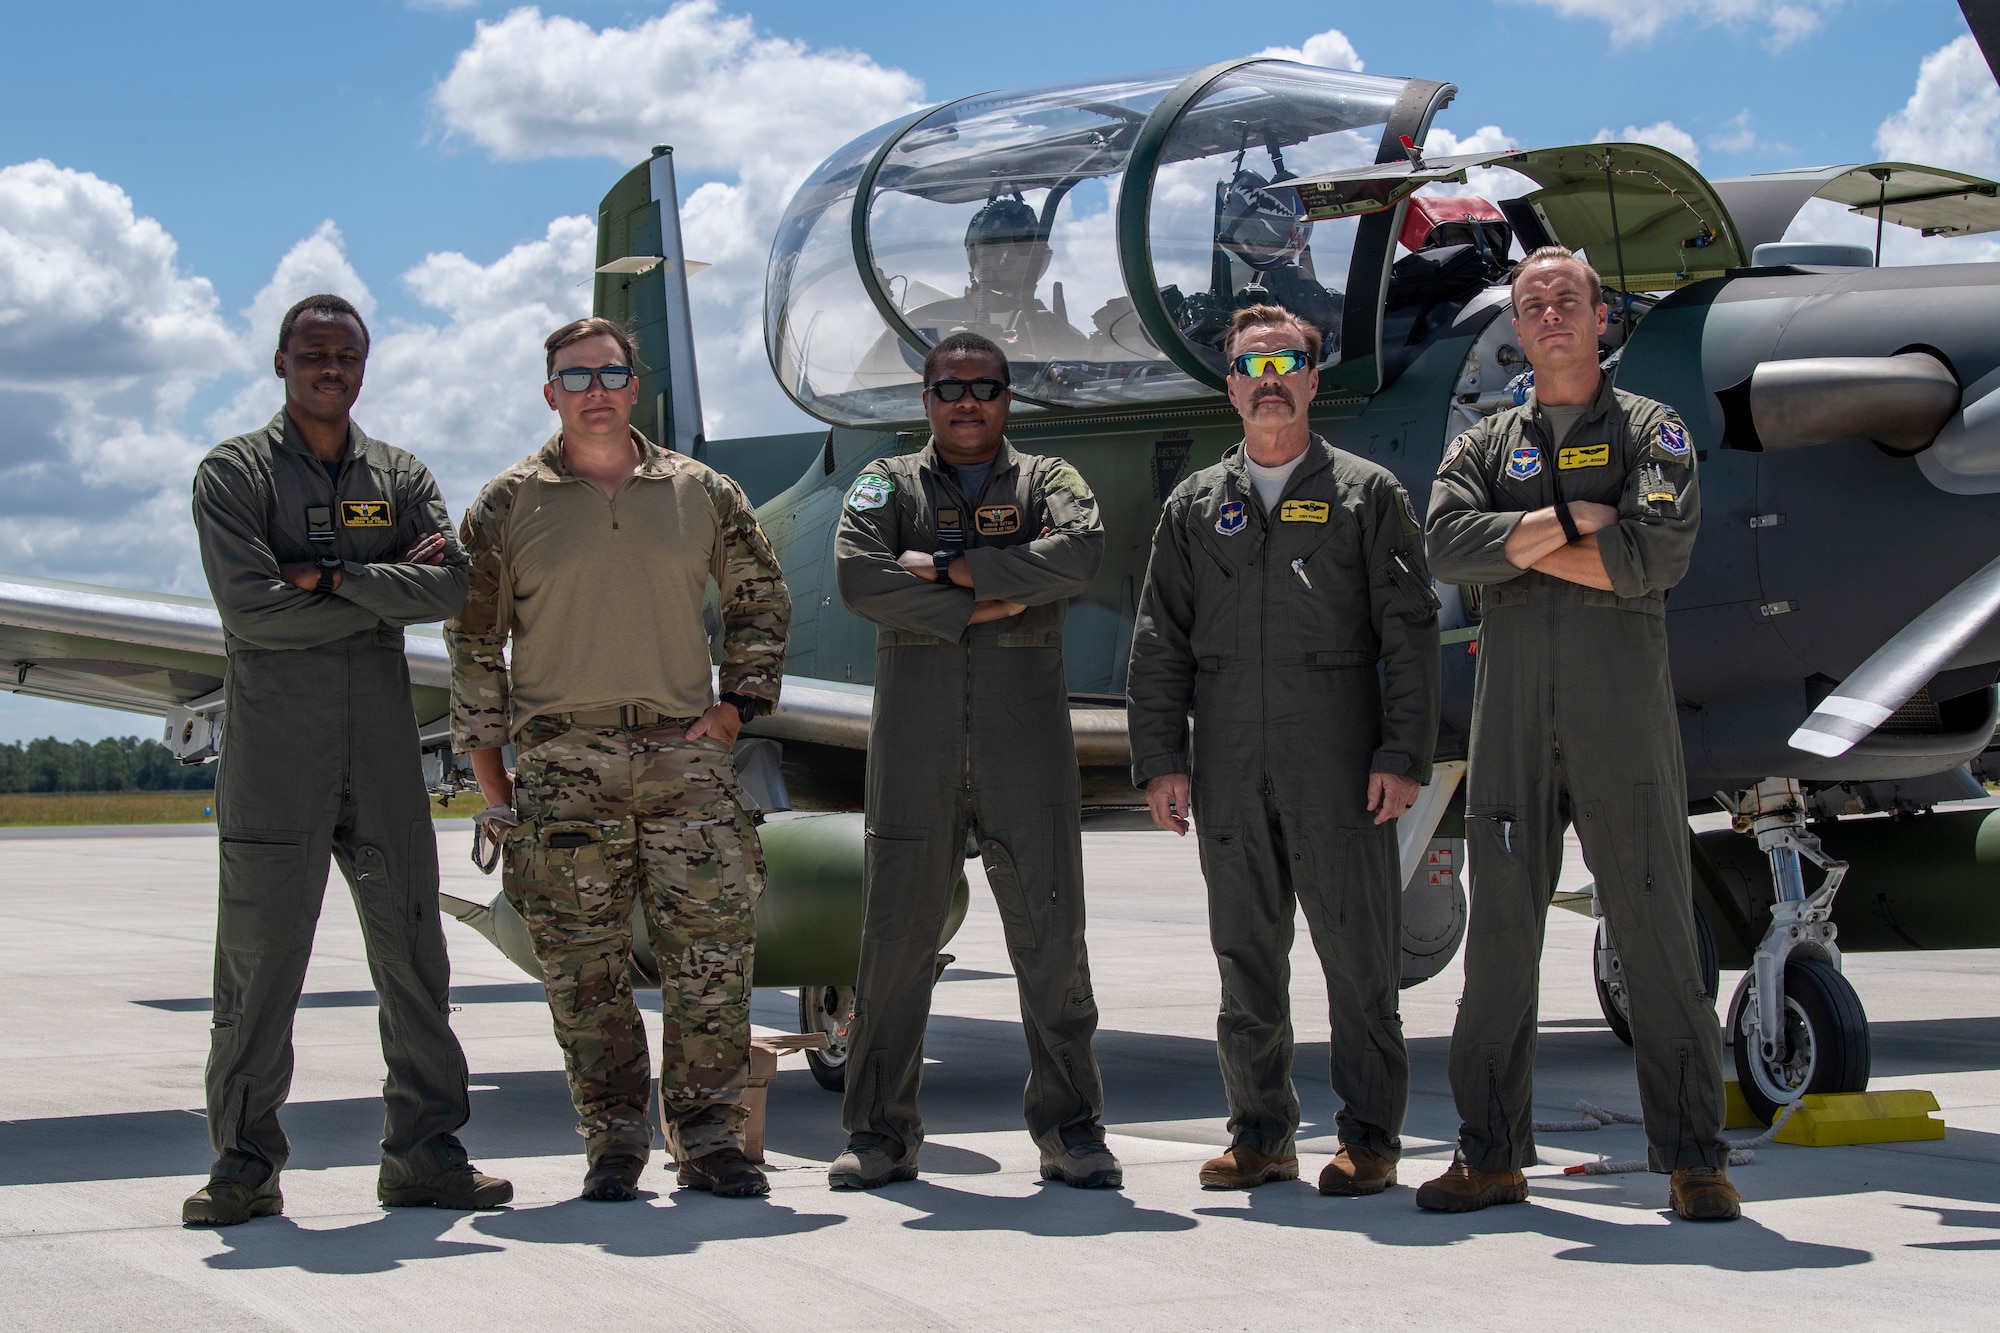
(1524, 462)
(871, 491)
(364, 513)
(1674, 438)
(1230, 519)
(996, 520)
(1303, 511)
(1583, 455)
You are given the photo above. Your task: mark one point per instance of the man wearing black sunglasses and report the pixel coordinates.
(964, 555)
(1282, 580)
(320, 544)
(591, 558)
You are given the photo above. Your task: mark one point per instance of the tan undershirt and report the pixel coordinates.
(607, 596)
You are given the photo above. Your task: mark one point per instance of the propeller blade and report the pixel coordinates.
(1983, 17)
(1899, 668)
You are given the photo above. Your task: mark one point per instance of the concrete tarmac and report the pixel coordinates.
(105, 953)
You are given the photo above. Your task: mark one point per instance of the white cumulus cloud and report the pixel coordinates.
(1661, 134)
(1635, 21)
(1330, 49)
(755, 113)
(1952, 118)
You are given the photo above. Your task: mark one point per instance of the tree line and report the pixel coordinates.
(124, 763)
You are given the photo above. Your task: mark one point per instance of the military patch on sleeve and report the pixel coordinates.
(996, 520)
(1674, 437)
(1583, 455)
(1524, 462)
(1409, 513)
(1063, 477)
(1452, 451)
(365, 513)
(1303, 511)
(871, 491)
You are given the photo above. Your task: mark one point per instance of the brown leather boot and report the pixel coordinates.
(1244, 1168)
(1464, 1190)
(1704, 1194)
(1354, 1171)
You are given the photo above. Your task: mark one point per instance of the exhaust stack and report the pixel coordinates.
(1900, 401)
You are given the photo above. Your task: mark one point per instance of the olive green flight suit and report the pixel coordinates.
(320, 759)
(971, 733)
(1574, 720)
(1269, 629)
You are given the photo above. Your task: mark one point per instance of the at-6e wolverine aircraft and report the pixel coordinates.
(1835, 644)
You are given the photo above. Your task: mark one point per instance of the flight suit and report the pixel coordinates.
(1574, 720)
(971, 733)
(320, 759)
(1270, 630)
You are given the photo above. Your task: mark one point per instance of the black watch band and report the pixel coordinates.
(1568, 523)
(745, 706)
(941, 561)
(327, 565)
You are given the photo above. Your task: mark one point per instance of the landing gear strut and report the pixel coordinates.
(1796, 1023)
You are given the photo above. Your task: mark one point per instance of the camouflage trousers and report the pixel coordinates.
(618, 824)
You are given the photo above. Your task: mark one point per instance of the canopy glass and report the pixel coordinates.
(1003, 214)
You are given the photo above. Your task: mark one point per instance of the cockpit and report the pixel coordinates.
(1102, 232)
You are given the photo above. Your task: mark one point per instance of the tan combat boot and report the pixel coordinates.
(1355, 1171)
(1704, 1194)
(1464, 1190)
(1244, 1168)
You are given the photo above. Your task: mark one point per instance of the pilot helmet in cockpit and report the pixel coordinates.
(1263, 225)
(1005, 252)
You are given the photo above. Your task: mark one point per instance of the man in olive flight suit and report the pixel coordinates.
(320, 545)
(1575, 512)
(1281, 579)
(963, 555)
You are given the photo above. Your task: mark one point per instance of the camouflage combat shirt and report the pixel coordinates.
(603, 595)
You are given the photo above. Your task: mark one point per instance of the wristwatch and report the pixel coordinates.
(941, 561)
(745, 706)
(327, 565)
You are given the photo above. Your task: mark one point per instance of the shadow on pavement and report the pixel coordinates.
(646, 1229)
(1743, 1246)
(1053, 1210)
(398, 1237)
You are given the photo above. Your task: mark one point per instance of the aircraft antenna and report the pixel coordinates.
(1617, 243)
(1881, 175)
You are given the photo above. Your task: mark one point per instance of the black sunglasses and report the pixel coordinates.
(577, 379)
(950, 391)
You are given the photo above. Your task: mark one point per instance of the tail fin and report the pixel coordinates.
(642, 276)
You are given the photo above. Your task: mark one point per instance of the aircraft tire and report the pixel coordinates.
(1612, 1003)
(827, 1009)
(1827, 1032)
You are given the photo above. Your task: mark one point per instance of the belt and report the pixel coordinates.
(626, 717)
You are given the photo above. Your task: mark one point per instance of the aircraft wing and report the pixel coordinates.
(1933, 200)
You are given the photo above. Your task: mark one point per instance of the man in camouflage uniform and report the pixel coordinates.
(965, 555)
(1576, 512)
(594, 553)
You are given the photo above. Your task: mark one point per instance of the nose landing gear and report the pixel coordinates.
(1796, 1022)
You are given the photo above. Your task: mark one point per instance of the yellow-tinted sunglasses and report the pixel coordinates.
(1254, 364)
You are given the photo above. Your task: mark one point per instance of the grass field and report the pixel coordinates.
(147, 807)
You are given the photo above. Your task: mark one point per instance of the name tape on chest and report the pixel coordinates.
(996, 520)
(1524, 462)
(1583, 455)
(365, 514)
(1229, 520)
(1303, 511)
(871, 490)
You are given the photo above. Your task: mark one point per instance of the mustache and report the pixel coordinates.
(1277, 391)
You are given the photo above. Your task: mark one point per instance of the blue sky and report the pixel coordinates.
(168, 174)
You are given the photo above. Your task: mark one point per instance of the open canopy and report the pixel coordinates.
(1933, 200)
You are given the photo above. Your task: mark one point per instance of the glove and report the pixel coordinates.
(489, 833)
